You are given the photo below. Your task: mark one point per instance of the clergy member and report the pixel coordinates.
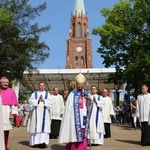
(75, 121)
(57, 112)
(9, 99)
(39, 120)
(143, 114)
(97, 131)
(108, 112)
(1, 126)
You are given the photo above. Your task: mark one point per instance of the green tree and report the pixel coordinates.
(20, 45)
(24, 95)
(124, 40)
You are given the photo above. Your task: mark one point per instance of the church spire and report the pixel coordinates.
(79, 8)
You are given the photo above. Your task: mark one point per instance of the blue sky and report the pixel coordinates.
(57, 15)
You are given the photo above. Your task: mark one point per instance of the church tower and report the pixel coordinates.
(79, 44)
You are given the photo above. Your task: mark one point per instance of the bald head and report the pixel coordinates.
(105, 92)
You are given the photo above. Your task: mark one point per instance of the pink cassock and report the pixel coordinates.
(77, 145)
(82, 103)
(8, 97)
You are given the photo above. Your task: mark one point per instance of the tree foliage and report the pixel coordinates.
(20, 45)
(124, 40)
(24, 95)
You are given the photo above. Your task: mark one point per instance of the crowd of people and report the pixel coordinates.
(78, 118)
(126, 114)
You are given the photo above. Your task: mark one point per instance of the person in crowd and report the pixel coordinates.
(19, 115)
(57, 112)
(40, 118)
(133, 111)
(9, 99)
(65, 95)
(119, 115)
(26, 111)
(125, 109)
(96, 130)
(143, 114)
(75, 120)
(108, 112)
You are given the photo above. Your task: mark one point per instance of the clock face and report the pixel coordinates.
(79, 49)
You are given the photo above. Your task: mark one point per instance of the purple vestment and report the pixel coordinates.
(8, 97)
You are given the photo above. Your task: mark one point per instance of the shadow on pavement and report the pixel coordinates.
(26, 143)
(57, 147)
(129, 141)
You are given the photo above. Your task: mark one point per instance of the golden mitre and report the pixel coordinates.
(80, 78)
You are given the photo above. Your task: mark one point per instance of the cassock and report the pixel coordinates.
(107, 112)
(56, 114)
(39, 119)
(97, 131)
(143, 113)
(9, 99)
(75, 122)
(2, 145)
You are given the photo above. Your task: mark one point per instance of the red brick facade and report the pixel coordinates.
(79, 44)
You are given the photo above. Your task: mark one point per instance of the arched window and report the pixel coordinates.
(73, 27)
(79, 30)
(76, 60)
(84, 30)
(82, 60)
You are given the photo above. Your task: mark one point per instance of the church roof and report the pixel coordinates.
(79, 7)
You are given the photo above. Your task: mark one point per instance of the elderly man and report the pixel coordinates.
(143, 114)
(40, 118)
(1, 127)
(9, 99)
(75, 121)
(57, 112)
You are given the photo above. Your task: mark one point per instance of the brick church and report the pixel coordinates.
(79, 44)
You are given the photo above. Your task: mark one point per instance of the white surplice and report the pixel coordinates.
(58, 107)
(143, 107)
(108, 109)
(2, 145)
(67, 132)
(96, 135)
(40, 118)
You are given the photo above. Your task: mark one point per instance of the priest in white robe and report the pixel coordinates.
(96, 131)
(9, 99)
(143, 114)
(40, 117)
(75, 121)
(108, 112)
(2, 145)
(57, 112)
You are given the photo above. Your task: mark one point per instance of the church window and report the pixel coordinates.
(79, 30)
(73, 27)
(82, 60)
(76, 60)
(84, 30)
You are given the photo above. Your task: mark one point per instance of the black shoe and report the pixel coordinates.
(145, 144)
(94, 144)
(34, 146)
(42, 145)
